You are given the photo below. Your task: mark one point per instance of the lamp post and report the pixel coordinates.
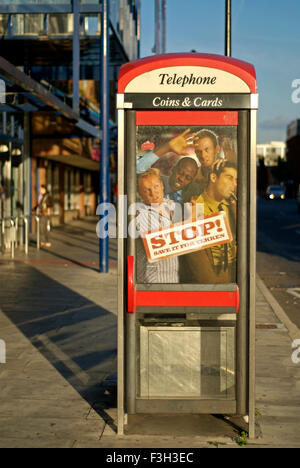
(163, 26)
(157, 47)
(104, 111)
(228, 29)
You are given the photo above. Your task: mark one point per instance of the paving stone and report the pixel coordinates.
(45, 409)
(62, 429)
(17, 442)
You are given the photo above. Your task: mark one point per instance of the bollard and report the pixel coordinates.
(26, 222)
(16, 221)
(2, 235)
(12, 225)
(37, 218)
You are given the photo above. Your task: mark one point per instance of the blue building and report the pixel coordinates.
(51, 67)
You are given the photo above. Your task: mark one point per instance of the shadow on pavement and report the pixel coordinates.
(77, 336)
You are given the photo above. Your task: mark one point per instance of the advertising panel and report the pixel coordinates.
(187, 198)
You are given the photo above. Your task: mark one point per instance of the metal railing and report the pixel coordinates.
(15, 232)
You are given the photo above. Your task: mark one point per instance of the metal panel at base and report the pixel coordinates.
(186, 406)
(187, 362)
(192, 313)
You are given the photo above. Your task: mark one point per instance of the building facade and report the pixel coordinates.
(271, 151)
(293, 153)
(50, 95)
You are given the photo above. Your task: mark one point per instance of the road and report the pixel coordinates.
(278, 256)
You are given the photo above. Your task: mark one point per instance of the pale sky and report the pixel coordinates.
(265, 33)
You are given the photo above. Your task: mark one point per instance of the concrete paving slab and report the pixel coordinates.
(278, 429)
(179, 425)
(149, 442)
(269, 389)
(46, 443)
(281, 410)
(61, 429)
(52, 390)
(45, 409)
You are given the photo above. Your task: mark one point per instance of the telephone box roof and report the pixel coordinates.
(245, 71)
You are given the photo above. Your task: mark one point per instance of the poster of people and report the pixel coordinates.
(187, 195)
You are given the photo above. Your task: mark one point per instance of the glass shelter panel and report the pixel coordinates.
(187, 362)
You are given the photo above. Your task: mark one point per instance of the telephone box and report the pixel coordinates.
(187, 236)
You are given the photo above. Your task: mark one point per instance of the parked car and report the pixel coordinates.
(275, 192)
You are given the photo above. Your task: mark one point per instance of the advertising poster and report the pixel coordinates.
(187, 198)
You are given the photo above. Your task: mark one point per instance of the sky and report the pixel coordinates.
(265, 33)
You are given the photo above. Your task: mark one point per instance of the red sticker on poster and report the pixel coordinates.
(148, 146)
(183, 238)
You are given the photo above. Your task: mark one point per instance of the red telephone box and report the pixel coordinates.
(187, 230)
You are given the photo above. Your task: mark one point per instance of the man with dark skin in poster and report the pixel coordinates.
(183, 173)
(206, 148)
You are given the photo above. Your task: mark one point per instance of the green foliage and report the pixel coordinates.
(242, 440)
(215, 444)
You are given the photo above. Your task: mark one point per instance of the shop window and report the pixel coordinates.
(30, 24)
(92, 25)
(61, 24)
(3, 25)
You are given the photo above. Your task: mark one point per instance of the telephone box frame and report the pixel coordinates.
(246, 104)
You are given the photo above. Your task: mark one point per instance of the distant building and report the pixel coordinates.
(271, 151)
(293, 151)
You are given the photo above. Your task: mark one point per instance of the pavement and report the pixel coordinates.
(58, 385)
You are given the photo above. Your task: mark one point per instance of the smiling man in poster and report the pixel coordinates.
(155, 212)
(216, 264)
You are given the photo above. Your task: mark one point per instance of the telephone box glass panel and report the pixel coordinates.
(186, 210)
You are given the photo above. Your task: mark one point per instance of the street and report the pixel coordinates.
(278, 252)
